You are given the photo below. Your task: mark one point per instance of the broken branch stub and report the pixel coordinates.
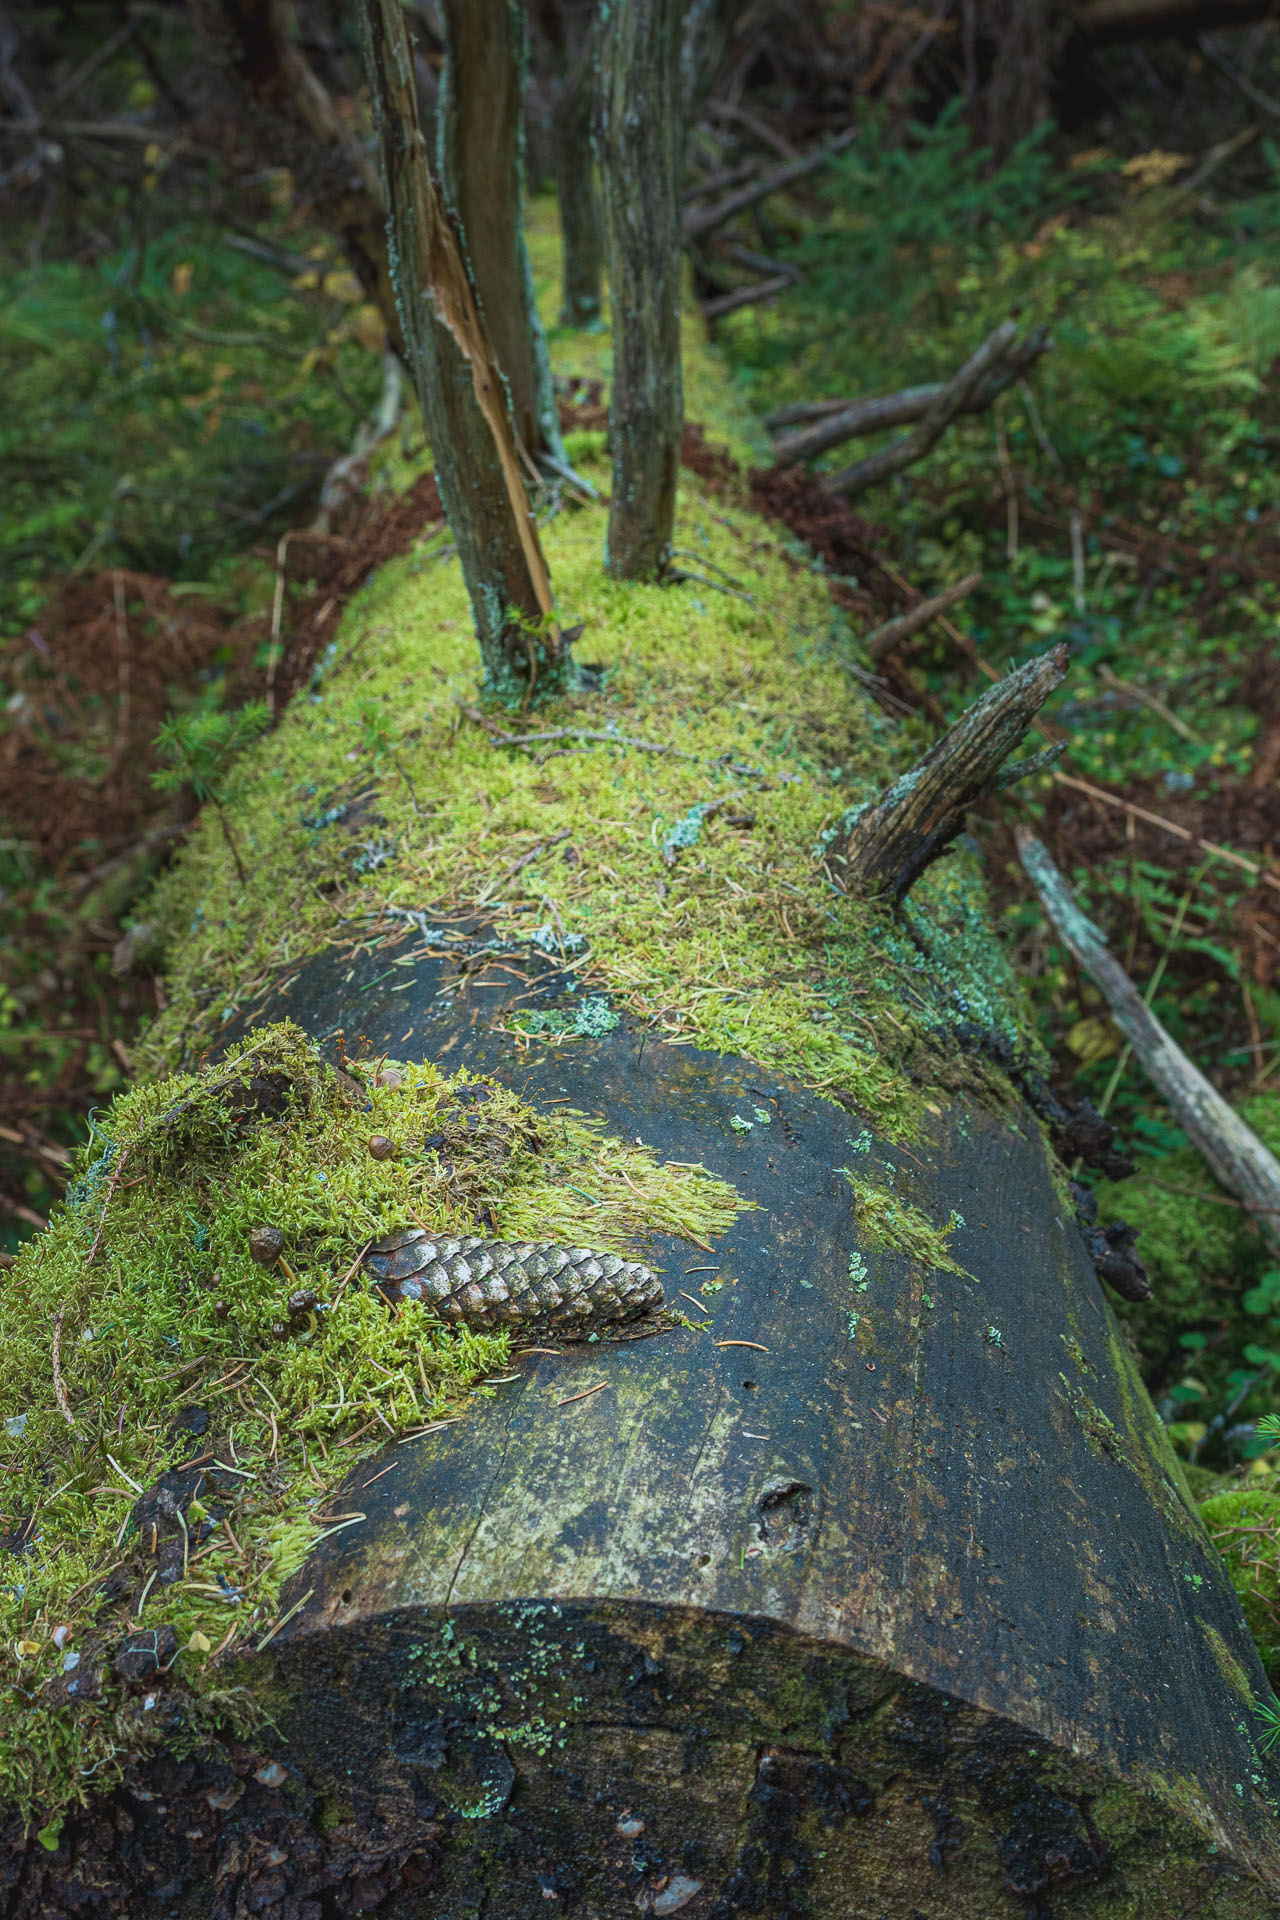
(891, 842)
(1231, 1150)
(459, 387)
(949, 400)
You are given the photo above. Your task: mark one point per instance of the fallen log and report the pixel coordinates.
(825, 424)
(861, 1580)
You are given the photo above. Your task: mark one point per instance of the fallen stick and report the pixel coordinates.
(824, 424)
(894, 632)
(1232, 1151)
(933, 422)
(753, 296)
(893, 840)
(700, 220)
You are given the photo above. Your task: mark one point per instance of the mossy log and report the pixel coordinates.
(874, 1588)
(869, 1587)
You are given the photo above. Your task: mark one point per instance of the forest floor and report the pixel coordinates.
(172, 411)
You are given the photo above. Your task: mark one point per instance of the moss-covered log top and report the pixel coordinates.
(181, 1419)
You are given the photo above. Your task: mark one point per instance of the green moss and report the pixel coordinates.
(172, 1308)
(1244, 1525)
(889, 1221)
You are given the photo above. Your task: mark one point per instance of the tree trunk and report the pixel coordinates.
(300, 128)
(460, 389)
(856, 1596)
(571, 33)
(481, 143)
(638, 145)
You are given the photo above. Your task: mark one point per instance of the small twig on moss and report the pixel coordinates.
(1231, 1150)
(894, 632)
(584, 733)
(893, 840)
(102, 1218)
(60, 1391)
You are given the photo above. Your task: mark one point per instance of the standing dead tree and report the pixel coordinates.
(568, 27)
(482, 167)
(460, 387)
(638, 146)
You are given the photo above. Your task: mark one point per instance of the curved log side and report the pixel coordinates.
(914, 1598)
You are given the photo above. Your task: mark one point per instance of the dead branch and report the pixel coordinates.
(827, 423)
(1120, 20)
(1233, 76)
(702, 220)
(933, 422)
(754, 296)
(894, 632)
(892, 840)
(1232, 1151)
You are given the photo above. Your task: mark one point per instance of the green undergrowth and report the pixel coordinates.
(146, 1280)
(1244, 1524)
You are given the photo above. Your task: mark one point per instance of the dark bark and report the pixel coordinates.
(459, 387)
(570, 32)
(1107, 21)
(298, 127)
(909, 1616)
(893, 840)
(638, 146)
(479, 112)
(829, 423)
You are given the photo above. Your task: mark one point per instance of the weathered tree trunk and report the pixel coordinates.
(638, 145)
(570, 31)
(481, 143)
(298, 125)
(871, 1592)
(460, 388)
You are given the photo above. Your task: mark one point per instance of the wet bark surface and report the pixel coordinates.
(902, 1613)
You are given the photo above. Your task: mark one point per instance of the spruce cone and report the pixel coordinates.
(535, 1287)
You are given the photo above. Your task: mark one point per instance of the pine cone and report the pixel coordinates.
(535, 1287)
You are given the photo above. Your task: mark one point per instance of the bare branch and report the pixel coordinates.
(700, 220)
(754, 296)
(893, 840)
(1232, 1151)
(827, 423)
(894, 632)
(933, 422)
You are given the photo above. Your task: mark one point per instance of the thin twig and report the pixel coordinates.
(60, 1392)
(599, 1388)
(894, 632)
(102, 1218)
(1170, 826)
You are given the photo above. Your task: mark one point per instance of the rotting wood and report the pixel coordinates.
(460, 389)
(1232, 1151)
(894, 632)
(891, 841)
(950, 400)
(824, 424)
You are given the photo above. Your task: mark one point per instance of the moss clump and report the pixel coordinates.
(1244, 1525)
(147, 1282)
(893, 1222)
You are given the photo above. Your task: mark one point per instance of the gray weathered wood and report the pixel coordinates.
(890, 842)
(1230, 1149)
(638, 147)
